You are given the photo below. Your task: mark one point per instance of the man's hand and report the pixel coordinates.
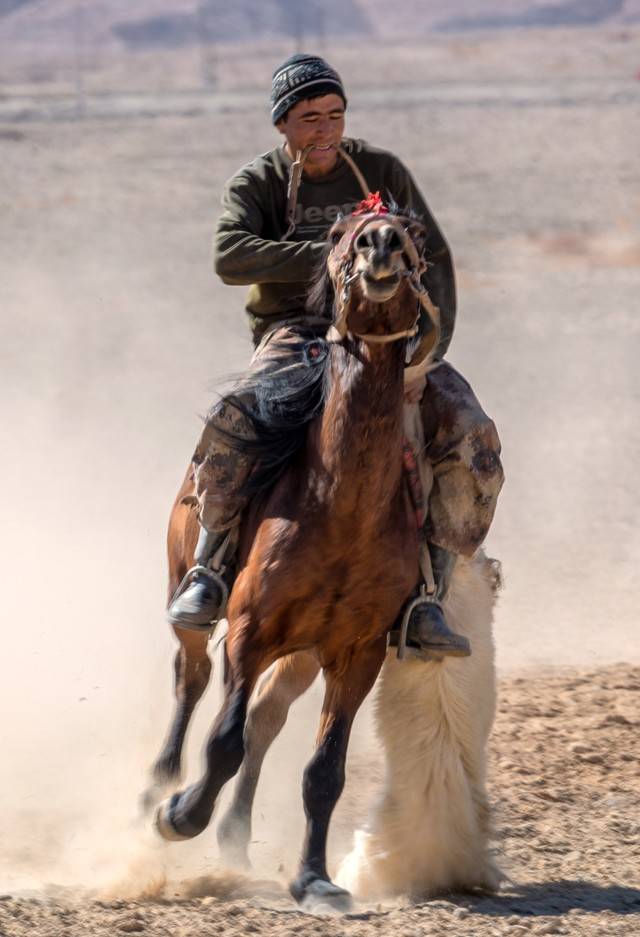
(413, 392)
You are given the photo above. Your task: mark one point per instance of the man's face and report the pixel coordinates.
(320, 122)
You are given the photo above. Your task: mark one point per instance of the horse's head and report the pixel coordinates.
(374, 265)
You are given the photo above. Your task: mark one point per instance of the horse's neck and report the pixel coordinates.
(360, 433)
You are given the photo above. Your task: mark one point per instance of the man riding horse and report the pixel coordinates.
(271, 236)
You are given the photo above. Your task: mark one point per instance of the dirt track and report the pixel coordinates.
(565, 785)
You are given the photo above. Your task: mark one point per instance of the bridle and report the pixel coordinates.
(417, 264)
(413, 273)
(295, 178)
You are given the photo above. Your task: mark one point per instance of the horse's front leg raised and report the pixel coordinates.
(187, 813)
(347, 685)
(192, 673)
(291, 677)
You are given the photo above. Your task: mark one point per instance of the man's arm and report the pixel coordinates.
(439, 278)
(242, 256)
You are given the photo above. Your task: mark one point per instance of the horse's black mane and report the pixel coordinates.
(288, 386)
(288, 391)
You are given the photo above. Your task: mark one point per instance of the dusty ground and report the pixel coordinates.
(564, 777)
(115, 333)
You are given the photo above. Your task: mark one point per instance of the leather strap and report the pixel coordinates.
(295, 178)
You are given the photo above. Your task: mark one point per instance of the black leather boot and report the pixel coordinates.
(427, 628)
(201, 598)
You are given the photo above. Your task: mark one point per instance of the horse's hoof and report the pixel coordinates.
(235, 856)
(233, 841)
(150, 798)
(318, 893)
(170, 825)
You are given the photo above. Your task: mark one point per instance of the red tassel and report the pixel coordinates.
(412, 474)
(371, 205)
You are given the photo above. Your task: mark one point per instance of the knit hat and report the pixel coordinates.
(299, 78)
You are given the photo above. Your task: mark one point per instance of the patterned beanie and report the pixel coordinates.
(299, 78)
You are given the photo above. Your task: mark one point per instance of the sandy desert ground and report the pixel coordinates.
(564, 776)
(116, 333)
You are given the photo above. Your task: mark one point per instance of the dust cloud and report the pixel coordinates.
(116, 333)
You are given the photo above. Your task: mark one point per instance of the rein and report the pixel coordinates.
(295, 178)
(417, 264)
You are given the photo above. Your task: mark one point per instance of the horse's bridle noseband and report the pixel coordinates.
(413, 273)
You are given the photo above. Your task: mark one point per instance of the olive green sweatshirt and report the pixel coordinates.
(248, 246)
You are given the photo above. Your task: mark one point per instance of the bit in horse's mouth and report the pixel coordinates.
(379, 289)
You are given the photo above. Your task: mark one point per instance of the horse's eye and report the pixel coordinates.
(417, 233)
(336, 236)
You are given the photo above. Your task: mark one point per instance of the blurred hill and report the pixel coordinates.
(173, 24)
(87, 48)
(571, 13)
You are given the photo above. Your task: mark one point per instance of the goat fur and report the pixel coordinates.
(429, 830)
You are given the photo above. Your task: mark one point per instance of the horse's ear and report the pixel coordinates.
(394, 208)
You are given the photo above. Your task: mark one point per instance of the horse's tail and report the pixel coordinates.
(430, 829)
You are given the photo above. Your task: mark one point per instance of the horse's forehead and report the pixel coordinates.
(379, 221)
(359, 222)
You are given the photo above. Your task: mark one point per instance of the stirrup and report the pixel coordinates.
(407, 651)
(216, 576)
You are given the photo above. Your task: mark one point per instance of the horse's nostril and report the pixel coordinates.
(394, 243)
(362, 242)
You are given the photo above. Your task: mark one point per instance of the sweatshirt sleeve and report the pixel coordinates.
(242, 256)
(439, 278)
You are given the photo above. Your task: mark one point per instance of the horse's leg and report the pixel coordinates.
(347, 686)
(291, 677)
(192, 669)
(187, 813)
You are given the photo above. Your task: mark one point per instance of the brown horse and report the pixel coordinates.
(328, 554)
